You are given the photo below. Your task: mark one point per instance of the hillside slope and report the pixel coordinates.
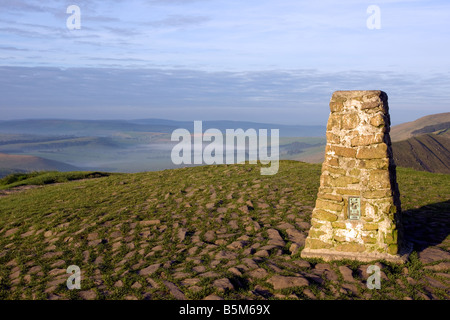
(427, 152)
(204, 232)
(409, 129)
(16, 163)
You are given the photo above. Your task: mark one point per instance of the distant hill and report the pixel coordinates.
(20, 163)
(423, 144)
(427, 152)
(427, 124)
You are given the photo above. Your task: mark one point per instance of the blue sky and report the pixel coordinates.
(267, 60)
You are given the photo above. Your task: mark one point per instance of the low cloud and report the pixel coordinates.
(284, 96)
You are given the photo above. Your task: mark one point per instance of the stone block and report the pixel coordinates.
(344, 181)
(314, 233)
(348, 192)
(334, 121)
(324, 215)
(328, 196)
(338, 225)
(343, 151)
(337, 104)
(329, 205)
(333, 161)
(333, 138)
(376, 194)
(370, 226)
(350, 121)
(391, 237)
(351, 247)
(392, 249)
(374, 164)
(367, 140)
(317, 244)
(377, 151)
(333, 170)
(377, 121)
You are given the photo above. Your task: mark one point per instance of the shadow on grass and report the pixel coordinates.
(427, 226)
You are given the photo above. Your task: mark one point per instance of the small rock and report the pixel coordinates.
(149, 222)
(49, 255)
(258, 273)
(350, 288)
(296, 236)
(346, 273)
(150, 269)
(98, 260)
(331, 275)
(226, 255)
(94, 243)
(56, 272)
(209, 274)
(309, 294)
(199, 269)
(92, 236)
(209, 235)
(250, 263)
(236, 245)
(262, 253)
(275, 238)
(293, 249)
(432, 254)
(48, 234)
(439, 267)
(180, 275)
(221, 242)
(223, 285)
(213, 297)
(35, 269)
(190, 282)
(175, 291)
(261, 291)
(322, 266)
(302, 263)
(158, 248)
(436, 283)
(87, 295)
(182, 234)
(281, 282)
(235, 271)
(304, 225)
(244, 209)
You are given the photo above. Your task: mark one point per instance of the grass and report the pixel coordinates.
(97, 225)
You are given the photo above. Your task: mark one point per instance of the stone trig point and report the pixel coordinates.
(357, 214)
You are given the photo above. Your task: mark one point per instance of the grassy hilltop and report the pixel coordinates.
(210, 231)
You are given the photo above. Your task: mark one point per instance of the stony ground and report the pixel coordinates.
(217, 232)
